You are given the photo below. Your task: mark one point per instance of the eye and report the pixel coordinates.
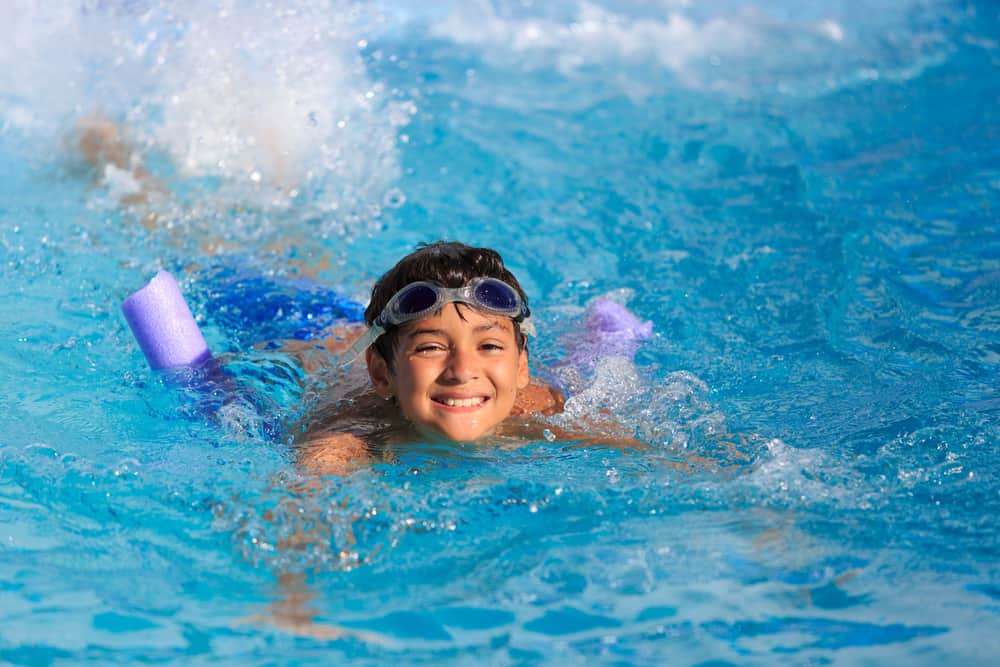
(491, 347)
(428, 348)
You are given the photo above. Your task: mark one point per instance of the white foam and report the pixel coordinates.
(615, 384)
(297, 101)
(38, 50)
(794, 475)
(665, 415)
(271, 99)
(730, 46)
(595, 35)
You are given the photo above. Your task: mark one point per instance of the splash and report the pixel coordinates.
(261, 106)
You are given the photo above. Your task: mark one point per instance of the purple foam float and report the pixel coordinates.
(610, 330)
(163, 325)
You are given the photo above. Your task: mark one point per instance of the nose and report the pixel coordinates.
(461, 366)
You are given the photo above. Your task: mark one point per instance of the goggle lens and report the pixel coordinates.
(496, 295)
(416, 299)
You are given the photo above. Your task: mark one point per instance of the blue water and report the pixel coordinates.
(801, 196)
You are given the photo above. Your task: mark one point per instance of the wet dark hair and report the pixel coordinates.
(445, 263)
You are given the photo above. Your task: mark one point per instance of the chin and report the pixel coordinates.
(455, 435)
(465, 437)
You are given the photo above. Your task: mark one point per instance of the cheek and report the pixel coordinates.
(523, 373)
(404, 382)
(510, 379)
(413, 381)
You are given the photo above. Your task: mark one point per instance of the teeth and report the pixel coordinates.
(462, 402)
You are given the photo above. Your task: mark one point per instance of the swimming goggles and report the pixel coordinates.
(422, 298)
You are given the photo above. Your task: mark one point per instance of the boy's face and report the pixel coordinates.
(455, 374)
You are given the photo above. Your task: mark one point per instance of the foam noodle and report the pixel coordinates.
(610, 330)
(163, 325)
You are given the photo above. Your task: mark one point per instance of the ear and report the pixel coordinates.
(523, 376)
(379, 373)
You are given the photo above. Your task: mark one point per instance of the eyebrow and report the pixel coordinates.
(421, 332)
(485, 326)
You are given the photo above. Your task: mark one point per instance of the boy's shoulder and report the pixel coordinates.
(538, 398)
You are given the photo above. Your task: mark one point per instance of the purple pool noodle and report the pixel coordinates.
(610, 330)
(163, 325)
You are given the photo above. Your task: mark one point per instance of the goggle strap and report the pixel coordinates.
(528, 327)
(361, 344)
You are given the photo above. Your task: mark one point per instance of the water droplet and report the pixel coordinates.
(394, 198)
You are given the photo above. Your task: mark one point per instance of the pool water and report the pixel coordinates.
(801, 196)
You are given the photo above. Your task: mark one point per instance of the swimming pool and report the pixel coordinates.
(801, 196)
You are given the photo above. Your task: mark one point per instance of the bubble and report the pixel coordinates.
(394, 198)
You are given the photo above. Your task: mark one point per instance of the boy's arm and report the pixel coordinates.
(592, 433)
(321, 353)
(538, 399)
(326, 451)
(292, 612)
(330, 453)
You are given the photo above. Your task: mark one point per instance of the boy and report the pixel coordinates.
(447, 358)
(459, 371)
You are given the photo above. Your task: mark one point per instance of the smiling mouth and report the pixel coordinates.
(461, 402)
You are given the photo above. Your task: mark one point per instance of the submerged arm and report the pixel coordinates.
(329, 453)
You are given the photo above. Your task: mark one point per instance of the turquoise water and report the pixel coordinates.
(802, 197)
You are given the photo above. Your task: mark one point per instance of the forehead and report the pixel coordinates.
(458, 317)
